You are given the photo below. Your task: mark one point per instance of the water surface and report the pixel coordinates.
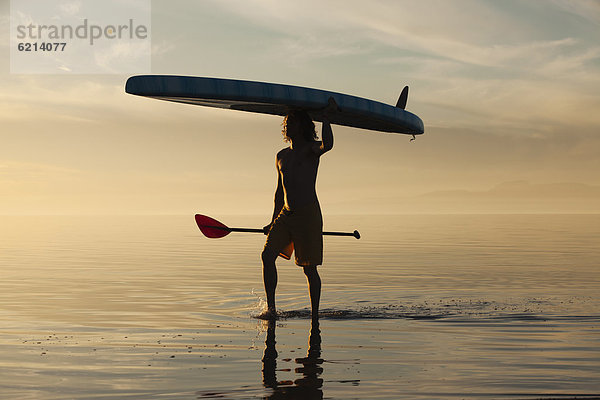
(450, 306)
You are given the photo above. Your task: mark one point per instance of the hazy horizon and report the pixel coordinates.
(517, 197)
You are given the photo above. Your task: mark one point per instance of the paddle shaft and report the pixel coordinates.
(257, 230)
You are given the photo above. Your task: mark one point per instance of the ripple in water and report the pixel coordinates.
(465, 310)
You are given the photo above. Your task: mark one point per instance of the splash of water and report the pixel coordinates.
(258, 308)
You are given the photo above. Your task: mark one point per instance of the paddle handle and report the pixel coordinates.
(257, 230)
(354, 234)
(248, 230)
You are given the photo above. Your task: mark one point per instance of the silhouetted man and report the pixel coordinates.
(297, 223)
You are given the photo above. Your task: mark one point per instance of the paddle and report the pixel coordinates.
(211, 228)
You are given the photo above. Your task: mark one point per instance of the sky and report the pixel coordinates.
(508, 92)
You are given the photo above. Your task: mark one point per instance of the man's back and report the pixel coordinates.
(297, 167)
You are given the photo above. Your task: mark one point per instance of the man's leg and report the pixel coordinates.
(270, 280)
(314, 289)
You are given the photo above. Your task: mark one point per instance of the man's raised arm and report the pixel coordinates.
(326, 131)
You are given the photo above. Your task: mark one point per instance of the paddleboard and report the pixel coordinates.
(278, 99)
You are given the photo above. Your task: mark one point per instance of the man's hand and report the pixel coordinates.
(331, 108)
(267, 228)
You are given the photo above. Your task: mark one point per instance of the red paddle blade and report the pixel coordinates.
(211, 228)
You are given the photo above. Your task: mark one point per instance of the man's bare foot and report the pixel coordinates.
(269, 314)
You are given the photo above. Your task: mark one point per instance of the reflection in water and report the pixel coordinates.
(310, 384)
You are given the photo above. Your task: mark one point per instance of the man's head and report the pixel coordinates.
(298, 124)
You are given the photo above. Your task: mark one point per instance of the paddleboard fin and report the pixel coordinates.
(403, 98)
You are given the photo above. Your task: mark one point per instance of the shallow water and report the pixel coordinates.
(461, 306)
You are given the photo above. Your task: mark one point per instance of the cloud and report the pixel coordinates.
(586, 9)
(70, 7)
(162, 47)
(514, 69)
(307, 48)
(433, 28)
(78, 98)
(123, 56)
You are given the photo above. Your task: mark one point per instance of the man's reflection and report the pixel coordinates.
(310, 384)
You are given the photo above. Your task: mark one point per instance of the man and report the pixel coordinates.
(297, 223)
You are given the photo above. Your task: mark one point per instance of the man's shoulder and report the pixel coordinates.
(283, 152)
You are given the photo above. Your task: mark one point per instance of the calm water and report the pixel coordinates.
(465, 306)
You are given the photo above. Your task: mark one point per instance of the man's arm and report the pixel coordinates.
(279, 201)
(326, 131)
(326, 136)
(278, 197)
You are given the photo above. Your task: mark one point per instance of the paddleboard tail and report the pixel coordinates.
(401, 103)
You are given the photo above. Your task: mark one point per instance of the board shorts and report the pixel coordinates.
(299, 231)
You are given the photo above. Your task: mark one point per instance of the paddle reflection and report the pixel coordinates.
(310, 384)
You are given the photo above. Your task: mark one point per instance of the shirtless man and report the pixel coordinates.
(297, 223)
